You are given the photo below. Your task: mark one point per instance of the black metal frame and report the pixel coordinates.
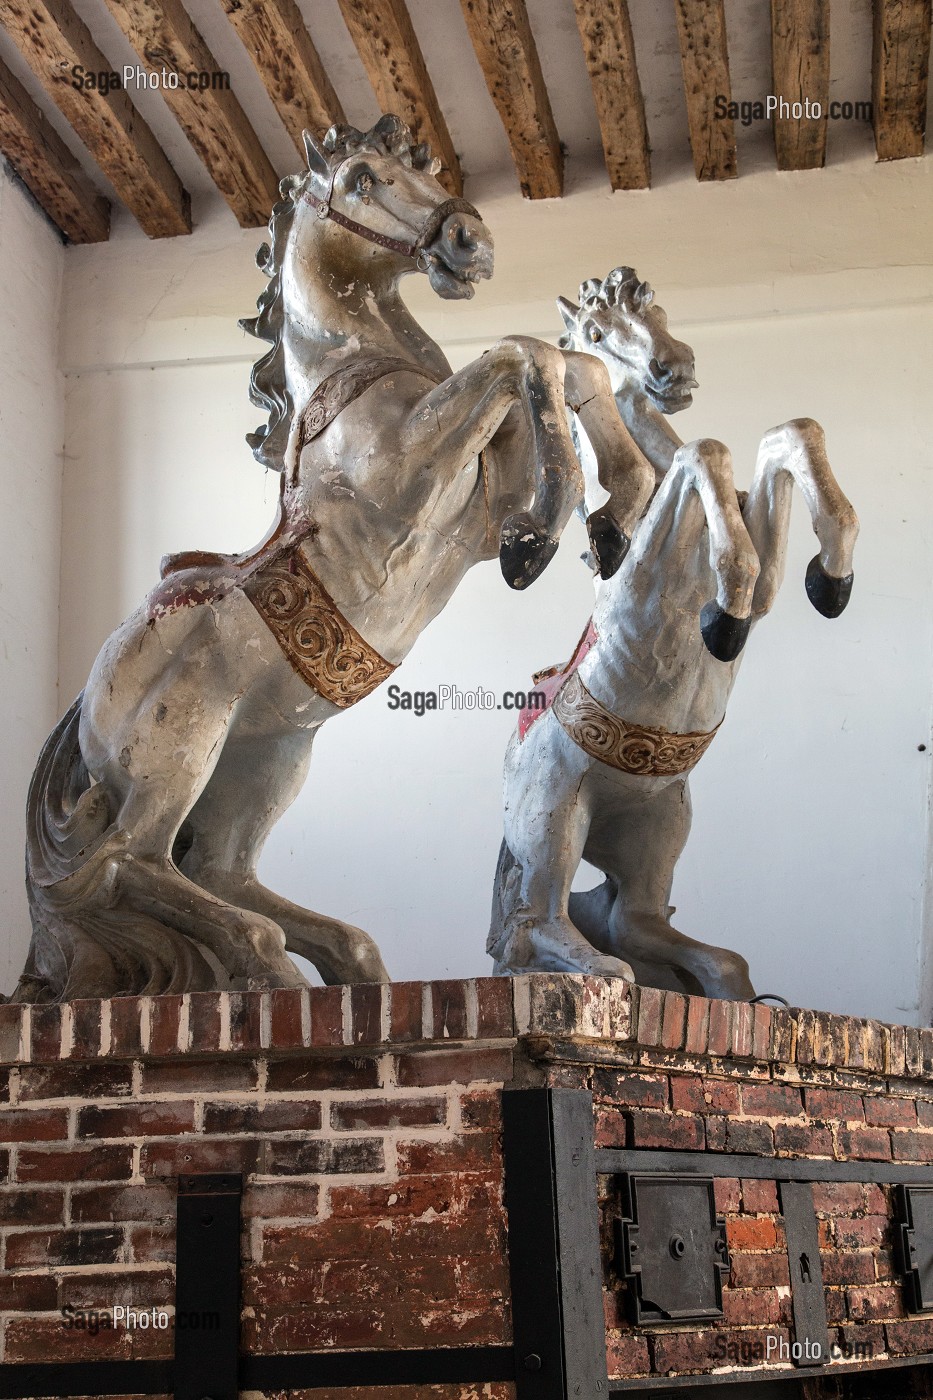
(559, 1350)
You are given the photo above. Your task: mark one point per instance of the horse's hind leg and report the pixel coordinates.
(640, 854)
(254, 782)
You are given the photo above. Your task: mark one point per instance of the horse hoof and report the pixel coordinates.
(608, 543)
(724, 635)
(828, 595)
(524, 551)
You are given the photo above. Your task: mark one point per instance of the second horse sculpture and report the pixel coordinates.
(602, 774)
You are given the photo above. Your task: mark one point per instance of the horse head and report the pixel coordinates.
(619, 320)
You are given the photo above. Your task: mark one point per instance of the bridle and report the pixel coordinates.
(432, 227)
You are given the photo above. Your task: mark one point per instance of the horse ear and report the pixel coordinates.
(569, 313)
(315, 155)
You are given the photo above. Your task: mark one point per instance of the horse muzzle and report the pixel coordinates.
(460, 255)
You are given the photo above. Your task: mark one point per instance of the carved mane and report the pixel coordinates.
(268, 388)
(596, 295)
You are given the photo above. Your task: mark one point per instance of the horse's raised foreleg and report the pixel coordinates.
(796, 452)
(622, 469)
(461, 415)
(254, 782)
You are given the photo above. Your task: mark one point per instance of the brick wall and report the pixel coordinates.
(367, 1124)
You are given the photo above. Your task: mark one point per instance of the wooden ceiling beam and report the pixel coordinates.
(274, 35)
(899, 72)
(389, 50)
(800, 69)
(55, 42)
(211, 117)
(609, 48)
(507, 53)
(704, 56)
(43, 162)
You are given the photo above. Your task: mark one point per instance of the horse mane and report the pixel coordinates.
(267, 384)
(596, 295)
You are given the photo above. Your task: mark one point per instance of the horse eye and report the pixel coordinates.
(365, 183)
(595, 334)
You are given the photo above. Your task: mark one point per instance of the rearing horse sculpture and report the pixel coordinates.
(153, 797)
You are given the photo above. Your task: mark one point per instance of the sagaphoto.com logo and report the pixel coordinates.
(109, 80)
(451, 697)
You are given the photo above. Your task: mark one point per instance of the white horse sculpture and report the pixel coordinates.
(153, 797)
(602, 774)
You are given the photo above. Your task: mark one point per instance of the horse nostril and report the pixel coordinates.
(659, 370)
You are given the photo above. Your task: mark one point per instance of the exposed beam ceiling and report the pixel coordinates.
(274, 35)
(213, 120)
(505, 46)
(389, 49)
(704, 56)
(800, 63)
(54, 41)
(609, 49)
(899, 70)
(44, 163)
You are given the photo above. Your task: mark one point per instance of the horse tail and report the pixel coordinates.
(506, 887)
(66, 814)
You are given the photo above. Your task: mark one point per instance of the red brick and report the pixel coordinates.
(727, 1194)
(884, 1266)
(834, 1198)
(126, 1026)
(122, 1203)
(136, 1120)
(695, 1094)
(864, 1144)
(771, 1101)
(925, 1113)
(848, 1267)
(245, 1020)
(137, 1288)
(835, 1103)
(85, 1029)
(727, 1134)
(750, 1233)
(481, 1110)
(783, 1036)
(910, 1338)
(749, 1307)
(75, 1164)
(874, 1303)
(760, 1197)
(860, 1342)
(287, 1200)
(204, 1022)
(759, 1271)
(494, 1007)
(876, 1200)
(448, 1001)
(49, 1248)
(406, 1010)
(39, 1338)
(627, 1355)
(18, 1207)
(651, 1129)
(897, 1050)
(912, 1053)
(650, 1011)
(454, 1066)
(164, 1022)
(761, 1031)
(169, 1157)
(696, 1036)
(11, 1024)
(890, 1113)
(199, 1077)
(623, 1086)
(912, 1147)
(67, 1081)
(684, 1352)
(741, 1029)
(435, 1196)
(286, 1010)
(860, 1231)
(867, 1045)
(279, 1116)
(327, 1016)
(803, 1139)
(360, 1115)
(28, 1293)
(720, 1027)
(674, 1021)
(33, 1125)
(477, 1152)
(309, 1157)
(152, 1244)
(302, 1075)
(46, 1043)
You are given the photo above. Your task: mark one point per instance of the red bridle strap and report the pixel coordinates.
(434, 224)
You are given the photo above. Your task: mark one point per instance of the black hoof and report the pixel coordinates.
(524, 551)
(608, 543)
(724, 635)
(827, 594)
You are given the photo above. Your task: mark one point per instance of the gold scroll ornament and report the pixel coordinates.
(648, 753)
(322, 646)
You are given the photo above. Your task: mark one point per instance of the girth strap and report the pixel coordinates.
(344, 385)
(632, 748)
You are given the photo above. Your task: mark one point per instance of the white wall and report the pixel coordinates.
(802, 294)
(31, 432)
